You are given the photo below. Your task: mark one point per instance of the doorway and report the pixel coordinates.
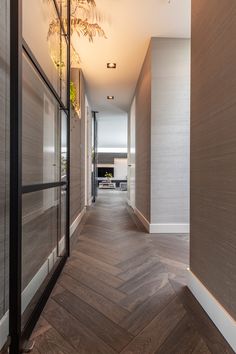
(112, 162)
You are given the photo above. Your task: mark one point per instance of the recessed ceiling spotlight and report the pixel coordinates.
(110, 97)
(111, 65)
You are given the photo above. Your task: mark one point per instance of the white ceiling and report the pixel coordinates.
(129, 25)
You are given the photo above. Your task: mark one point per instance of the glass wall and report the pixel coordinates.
(44, 148)
(51, 54)
(4, 166)
(43, 230)
(40, 129)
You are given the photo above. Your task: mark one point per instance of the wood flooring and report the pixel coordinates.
(123, 291)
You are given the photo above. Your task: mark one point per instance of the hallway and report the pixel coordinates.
(122, 291)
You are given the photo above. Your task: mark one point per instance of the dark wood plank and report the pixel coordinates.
(135, 260)
(104, 328)
(51, 342)
(153, 336)
(145, 291)
(99, 264)
(41, 327)
(184, 339)
(107, 278)
(98, 254)
(143, 314)
(132, 272)
(96, 284)
(78, 335)
(144, 278)
(108, 308)
(201, 348)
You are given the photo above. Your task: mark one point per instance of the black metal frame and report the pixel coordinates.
(42, 186)
(17, 47)
(41, 73)
(15, 175)
(94, 180)
(68, 132)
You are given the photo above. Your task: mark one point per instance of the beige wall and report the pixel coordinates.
(162, 117)
(213, 149)
(131, 154)
(143, 126)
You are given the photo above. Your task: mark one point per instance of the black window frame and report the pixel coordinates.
(17, 335)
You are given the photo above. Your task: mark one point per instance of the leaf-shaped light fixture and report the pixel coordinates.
(85, 19)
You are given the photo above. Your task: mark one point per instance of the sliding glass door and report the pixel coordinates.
(42, 174)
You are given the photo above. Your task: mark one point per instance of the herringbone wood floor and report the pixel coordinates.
(123, 291)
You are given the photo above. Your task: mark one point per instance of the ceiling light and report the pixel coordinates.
(110, 97)
(111, 65)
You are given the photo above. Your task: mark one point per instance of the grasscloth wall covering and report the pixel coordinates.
(162, 121)
(143, 124)
(213, 149)
(170, 129)
(77, 146)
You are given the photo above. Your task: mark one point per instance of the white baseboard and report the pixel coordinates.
(221, 318)
(31, 289)
(4, 329)
(169, 228)
(142, 218)
(76, 222)
(161, 228)
(27, 295)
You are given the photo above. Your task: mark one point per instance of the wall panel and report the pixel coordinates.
(143, 145)
(213, 149)
(170, 130)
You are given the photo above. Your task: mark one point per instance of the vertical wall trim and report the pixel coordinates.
(68, 134)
